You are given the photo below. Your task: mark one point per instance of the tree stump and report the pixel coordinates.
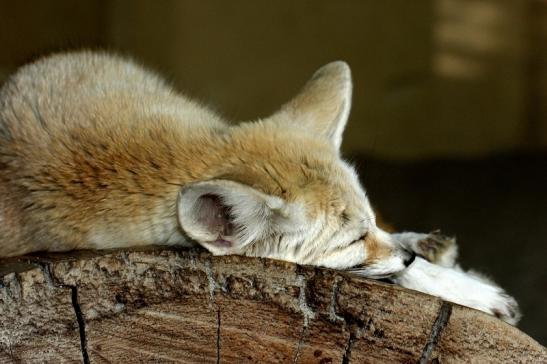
(163, 306)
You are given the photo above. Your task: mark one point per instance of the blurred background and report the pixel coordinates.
(449, 122)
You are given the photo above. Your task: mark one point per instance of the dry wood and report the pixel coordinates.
(187, 306)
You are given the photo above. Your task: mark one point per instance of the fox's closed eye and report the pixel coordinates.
(360, 240)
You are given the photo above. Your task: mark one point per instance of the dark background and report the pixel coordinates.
(449, 122)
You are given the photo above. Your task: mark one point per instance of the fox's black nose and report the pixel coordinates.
(408, 261)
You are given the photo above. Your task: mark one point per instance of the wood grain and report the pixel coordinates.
(170, 306)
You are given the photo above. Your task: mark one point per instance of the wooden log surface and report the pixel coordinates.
(167, 306)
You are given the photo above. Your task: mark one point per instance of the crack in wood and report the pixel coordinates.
(347, 349)
(81, 323)
(218, 334)
(303, 335)
(48, 277)
(436, 330)
(212, 286)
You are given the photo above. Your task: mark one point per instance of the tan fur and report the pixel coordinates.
(376, 251)
(94, 151)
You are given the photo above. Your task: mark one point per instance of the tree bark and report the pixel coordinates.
(186, 306)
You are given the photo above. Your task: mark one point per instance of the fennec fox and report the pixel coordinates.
(96, 153)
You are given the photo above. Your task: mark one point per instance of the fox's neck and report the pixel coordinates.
(152, 175)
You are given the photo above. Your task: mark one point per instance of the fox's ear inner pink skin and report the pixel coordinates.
(222, 243)
(213, 215)
(226, 217)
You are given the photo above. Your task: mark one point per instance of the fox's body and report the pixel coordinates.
(96, 152)
(103, 148)
(88, 144)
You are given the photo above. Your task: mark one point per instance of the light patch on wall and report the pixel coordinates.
(464, 33)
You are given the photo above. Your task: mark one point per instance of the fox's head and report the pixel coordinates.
(282, 190)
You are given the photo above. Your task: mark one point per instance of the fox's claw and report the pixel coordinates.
(433, 247)
(507, 309)
(437, 248)
(498, 302)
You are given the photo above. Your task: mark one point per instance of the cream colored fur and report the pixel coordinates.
(96, 152)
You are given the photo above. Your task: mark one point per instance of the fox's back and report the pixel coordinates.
(86, 137)
(86, 89)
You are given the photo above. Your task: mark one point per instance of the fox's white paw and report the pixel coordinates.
(454, 285)
(501, 305)
(507, 309)
(433, 247)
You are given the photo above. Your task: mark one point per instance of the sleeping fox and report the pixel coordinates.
(97, 152)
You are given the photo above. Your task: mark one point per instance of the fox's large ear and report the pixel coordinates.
(323, 105)
(226, 216)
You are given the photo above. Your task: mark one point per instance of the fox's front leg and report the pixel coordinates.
(433, 247)
(465, 288)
